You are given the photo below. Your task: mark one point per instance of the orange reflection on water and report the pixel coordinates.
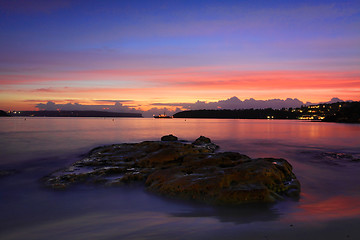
(332, 208)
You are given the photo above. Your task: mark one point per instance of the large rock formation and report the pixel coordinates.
(184, 170)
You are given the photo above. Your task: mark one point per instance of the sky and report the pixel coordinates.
(148, 55)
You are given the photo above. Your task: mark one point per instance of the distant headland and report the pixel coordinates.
(347, 112)
(342, 112)
(3, 114)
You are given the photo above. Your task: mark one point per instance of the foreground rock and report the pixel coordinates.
(184, 170)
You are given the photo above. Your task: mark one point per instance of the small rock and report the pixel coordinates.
(169, 138)
(202, 140)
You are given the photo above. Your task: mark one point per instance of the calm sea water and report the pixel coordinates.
(329, 206)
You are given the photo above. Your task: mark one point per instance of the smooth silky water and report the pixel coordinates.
(329, 207)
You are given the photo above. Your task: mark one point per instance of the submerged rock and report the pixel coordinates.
(184, 170)
(333, 158)
(5, 173)
(339, 156)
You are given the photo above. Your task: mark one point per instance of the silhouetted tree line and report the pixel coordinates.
(348, 113)
(267, 113)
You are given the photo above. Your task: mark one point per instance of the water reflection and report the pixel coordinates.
(38, 146)
(239, 215)
(336, 207)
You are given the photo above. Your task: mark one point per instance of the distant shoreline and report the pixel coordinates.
(72, 114)
(341, 112)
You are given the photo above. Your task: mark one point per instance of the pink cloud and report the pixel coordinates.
(183, 84)
(196, 78)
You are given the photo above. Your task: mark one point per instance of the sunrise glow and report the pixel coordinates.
(145, 55)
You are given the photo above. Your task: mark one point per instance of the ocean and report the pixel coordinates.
(325, 158)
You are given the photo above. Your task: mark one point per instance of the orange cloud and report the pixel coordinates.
(182, 85)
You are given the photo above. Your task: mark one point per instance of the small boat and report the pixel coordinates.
(162, 116)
